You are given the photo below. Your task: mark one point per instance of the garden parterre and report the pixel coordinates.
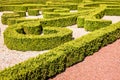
(58, 59)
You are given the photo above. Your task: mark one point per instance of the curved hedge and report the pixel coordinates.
(93, 21)
(25, 37)
(56, 60)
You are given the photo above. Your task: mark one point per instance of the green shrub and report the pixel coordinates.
(14, 8)
(84, 8)
(32, 27)
(6, 16)
(20, 8)
(112, 11)
(59, 22)
(62, 10)
(26, 39)
(33, 12)
(21, 13)
(47, 10)
(1, 8)
(57, 59)
(80, 22)
(12, 21)
(50, 15)
(91, 25)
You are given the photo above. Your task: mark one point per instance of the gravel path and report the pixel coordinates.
(102, 65)
(11, 57)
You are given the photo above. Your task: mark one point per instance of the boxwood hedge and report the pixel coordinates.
(6, 16)
(33, 12)
(57, 59)
(26, 36)
(94, 24)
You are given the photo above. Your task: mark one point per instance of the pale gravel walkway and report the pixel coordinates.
(11, 57)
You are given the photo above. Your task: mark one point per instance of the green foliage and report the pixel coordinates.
(12, 21)
(24, 36)
(80, 22)
(21, 13)
(91, 25)
(112, 11)
(32, 27)
(6, 16)
(56, 60)
(47, 10)
(59, 22)
(50, 15)
(14, 8)
(33, 12)
(62, 10)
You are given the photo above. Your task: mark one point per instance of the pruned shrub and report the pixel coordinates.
(6, 16)
(26, 36)
(33, 12)
(91, 25)
(21, 13)
(56, 60)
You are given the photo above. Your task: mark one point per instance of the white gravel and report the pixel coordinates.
(11, 57)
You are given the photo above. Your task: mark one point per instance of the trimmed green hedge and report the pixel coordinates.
(47, 10)
(25, 38)
(32, 27)
(6, 16)
(56, 22)
(112, 11)
(94, 24)
(12, 21)
(56, 60)
(80, 21)
(62, 10)
(21, 13)
(59, 22)
(33, 12)
(50, 15)
(14, 8)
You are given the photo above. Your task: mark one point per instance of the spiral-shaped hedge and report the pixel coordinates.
(25, 37)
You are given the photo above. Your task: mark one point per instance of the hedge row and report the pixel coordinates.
(25, 7)
(94, 24)
(12, 21)
(50, 15)
(56, 60)
(62, 10)
(112, 11)
(33, 12)
(6, 16)
(92, 21)
(26, 36)
(59, 22)
(21, 13)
